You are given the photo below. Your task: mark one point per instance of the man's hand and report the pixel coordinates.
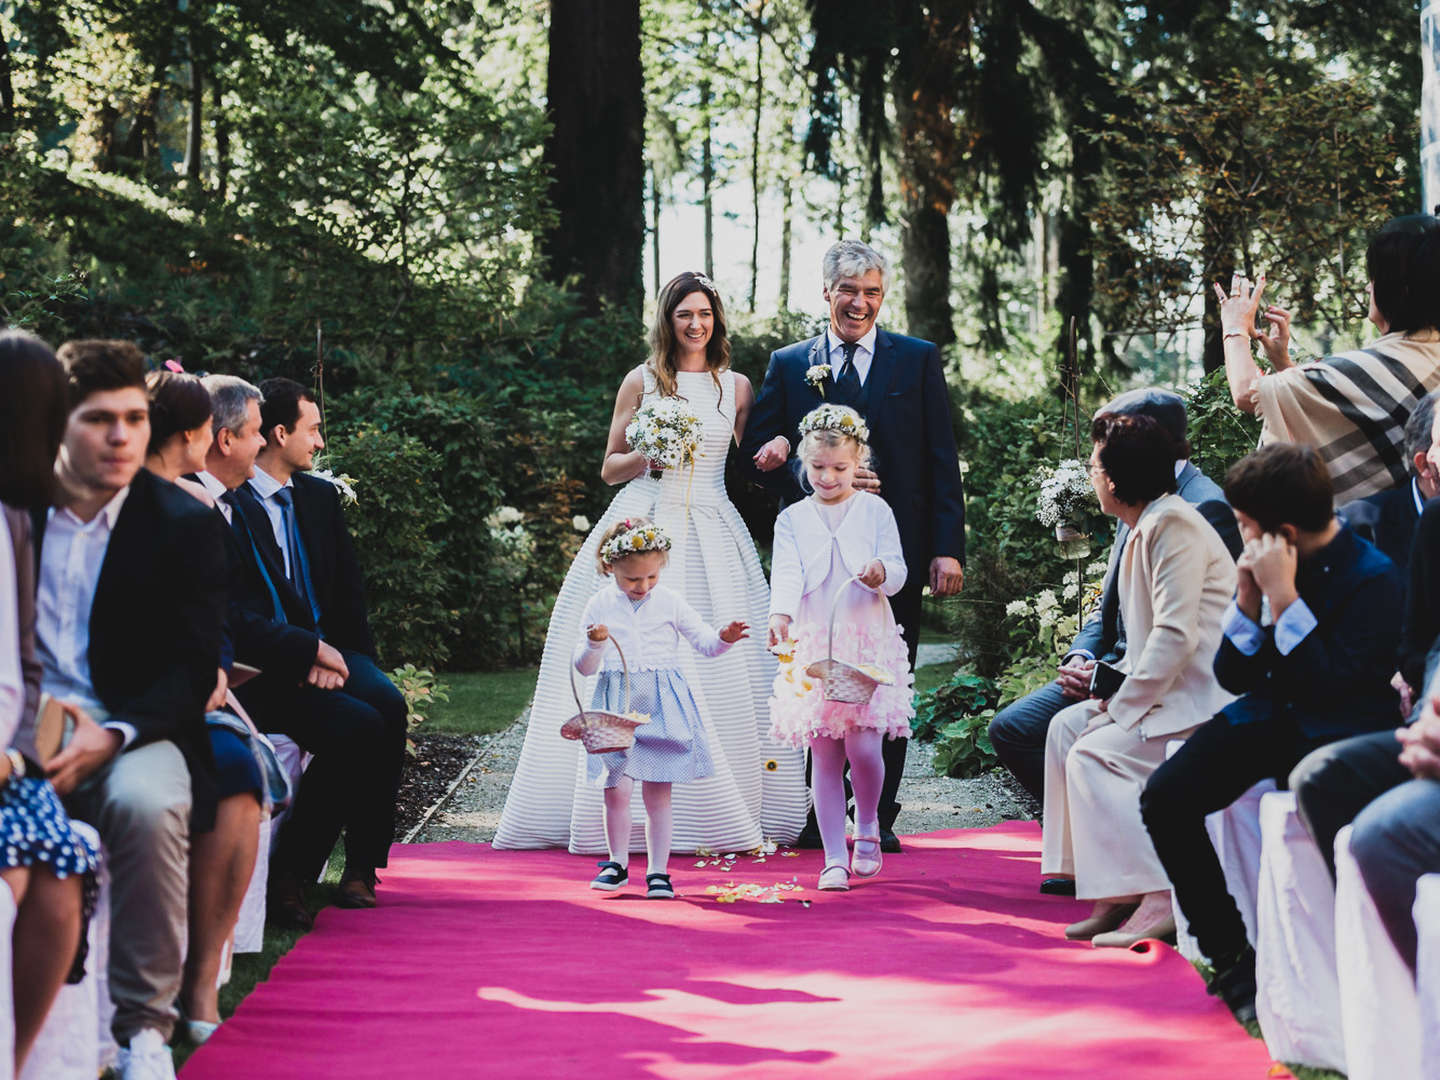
(1421, 742)
(773, 454)
(1272, 563)
(1247, 591)
(1074, 677)
(947, 576)
(779, 629)
(734, 632)
(90, 748)
(873, 576)
(329, 671)
(1407, 699)
(867, 480)
(217, 696)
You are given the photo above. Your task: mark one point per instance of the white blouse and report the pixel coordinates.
(649, 634)
(806, 546)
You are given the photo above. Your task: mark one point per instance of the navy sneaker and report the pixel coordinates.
(612, 875)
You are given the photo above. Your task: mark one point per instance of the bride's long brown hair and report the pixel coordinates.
(664, 348)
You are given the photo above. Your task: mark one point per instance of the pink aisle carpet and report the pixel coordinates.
(480, 963)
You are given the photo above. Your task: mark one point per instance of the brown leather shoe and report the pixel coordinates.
(285, 905)
(356, 890)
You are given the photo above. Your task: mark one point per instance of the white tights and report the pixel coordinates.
(658, 823)
(827, 784)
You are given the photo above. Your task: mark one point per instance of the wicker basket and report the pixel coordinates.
(841, 681)
(602, 732)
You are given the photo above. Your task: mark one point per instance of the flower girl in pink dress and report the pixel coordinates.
(839, 547)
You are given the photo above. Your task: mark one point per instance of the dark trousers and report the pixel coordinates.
(357, 734)
(1215, 767)
(1333, 784)
(1018, 735)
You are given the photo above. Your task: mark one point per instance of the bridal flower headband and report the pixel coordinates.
(838, 418)
(634, 538)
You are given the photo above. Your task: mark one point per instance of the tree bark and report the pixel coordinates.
(595, 151)
(655, 228)
(757, 22)
(707, 180)
(787, 197)
(222, 141)
(7, 89)
(196, 126)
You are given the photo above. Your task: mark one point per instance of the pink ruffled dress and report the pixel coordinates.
(818, 550)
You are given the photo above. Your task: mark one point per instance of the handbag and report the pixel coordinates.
(276, 780)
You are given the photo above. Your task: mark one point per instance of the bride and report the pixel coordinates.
(758, 789)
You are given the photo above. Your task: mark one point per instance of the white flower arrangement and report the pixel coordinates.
(667, 432)
(514, 547)
(580, 523)
(1066, 496)
(504, 517)
(816, 374)
(839, 418)
(345, 485)
(634, 540)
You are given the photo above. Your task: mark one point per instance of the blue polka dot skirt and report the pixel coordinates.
(671, 748)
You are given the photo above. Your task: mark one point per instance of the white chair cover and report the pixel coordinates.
(1379, 1013)
(250, 926)
(1427, 967)
(1298, 998)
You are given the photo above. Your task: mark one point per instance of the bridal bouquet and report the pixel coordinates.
(667, 432)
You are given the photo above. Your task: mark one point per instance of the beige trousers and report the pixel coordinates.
(1094, 773)
(140, 804)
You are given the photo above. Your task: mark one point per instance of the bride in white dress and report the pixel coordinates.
(758, 788)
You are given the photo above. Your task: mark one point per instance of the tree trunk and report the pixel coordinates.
(196, 126)
(707, 180)
(655, 228)
(759, 26)
(222, 140)
(787, 197)
(7, 89)
(595, 151)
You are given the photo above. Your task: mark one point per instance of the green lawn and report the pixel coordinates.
(481, 702)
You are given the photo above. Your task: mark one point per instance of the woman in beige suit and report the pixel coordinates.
(1175, 579)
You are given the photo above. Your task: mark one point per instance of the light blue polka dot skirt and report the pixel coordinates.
(671, 748)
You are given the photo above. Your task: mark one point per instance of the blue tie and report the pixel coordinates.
(299, 564)
(847, 386)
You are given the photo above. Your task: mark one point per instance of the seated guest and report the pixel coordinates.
(48, 866)
(1353, 406)
(1175, 579)
(1317, 673)
(300, 529)
(130, 612)
(1387, 519)
(1018, 730)
(222, 859)
(1396, 839)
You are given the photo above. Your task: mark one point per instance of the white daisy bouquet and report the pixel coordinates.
(1066, 497)
(667, 432)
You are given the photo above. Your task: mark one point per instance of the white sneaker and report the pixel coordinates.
(146, 1058)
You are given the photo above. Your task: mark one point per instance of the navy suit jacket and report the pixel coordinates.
(1336, 682)
(906, 404)
(1103, 636)
(1387, 519)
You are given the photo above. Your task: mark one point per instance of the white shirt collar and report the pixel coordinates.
(264, 484)
(867, 342)
(1419, 496)
(110, 511)
(1180, 467)
(211, 484)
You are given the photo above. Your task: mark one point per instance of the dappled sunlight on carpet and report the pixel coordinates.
(499, 964)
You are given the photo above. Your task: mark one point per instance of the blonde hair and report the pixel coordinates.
(626, 526)
(663, 347)
(829, 439)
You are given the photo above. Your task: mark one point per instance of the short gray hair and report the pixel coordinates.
(1419, 427)
(852, 259)
(229, 397)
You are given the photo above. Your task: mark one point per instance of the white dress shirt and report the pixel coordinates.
(71, 557)
(1294, 626)
(12, 680)
(217, 492)
(864, 353)
(266, 486)
(648, 634)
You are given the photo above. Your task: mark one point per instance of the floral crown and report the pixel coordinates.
(634, 538)
(705, 283)
(838, 418)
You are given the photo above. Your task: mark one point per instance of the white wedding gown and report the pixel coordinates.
(758, 789)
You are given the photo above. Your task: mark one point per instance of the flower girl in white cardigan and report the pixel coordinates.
(647, 621)
(839, 546)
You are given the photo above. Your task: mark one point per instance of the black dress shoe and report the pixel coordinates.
(1235, 985)
(889, 842)
(809, 837)
(1058, 886)
(285, 905)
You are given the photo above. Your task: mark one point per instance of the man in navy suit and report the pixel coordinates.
(898, 384)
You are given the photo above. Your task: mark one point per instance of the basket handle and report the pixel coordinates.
(834, 610)
(575, 687)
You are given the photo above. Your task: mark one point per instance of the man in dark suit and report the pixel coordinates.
(1388, 518)
(1018, 730)
(130, 608)
(898, 384)
(298, 528)
(1315, 669)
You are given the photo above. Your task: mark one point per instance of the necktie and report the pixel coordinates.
(242, 530)
(847, 386)
(299, 564)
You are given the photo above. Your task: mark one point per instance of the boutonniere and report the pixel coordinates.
(816, 376)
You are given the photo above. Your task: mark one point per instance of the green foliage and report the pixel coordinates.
(394, 524)
(964, 695)
(1220, 434)
(422, 691)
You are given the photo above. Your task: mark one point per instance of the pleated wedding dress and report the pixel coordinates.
(758, 789)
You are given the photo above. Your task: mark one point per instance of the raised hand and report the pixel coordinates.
(1238, 307)
(1276, 341)
(1273, 566)
(734, 632)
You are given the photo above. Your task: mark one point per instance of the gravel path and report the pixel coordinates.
(930, 802)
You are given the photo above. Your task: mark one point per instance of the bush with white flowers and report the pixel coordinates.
(1066, 496)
